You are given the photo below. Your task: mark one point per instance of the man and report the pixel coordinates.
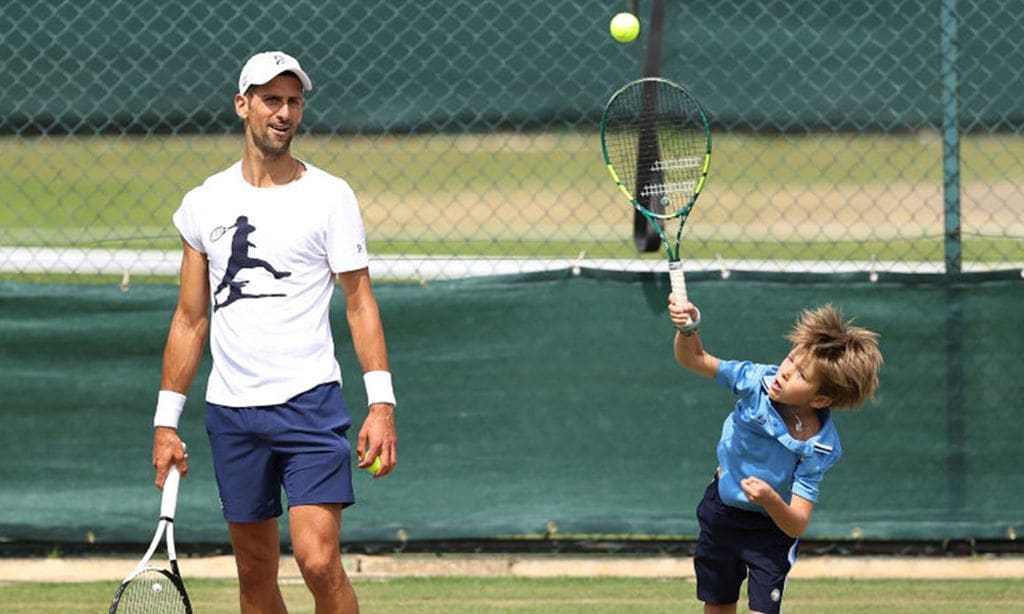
(274, 413)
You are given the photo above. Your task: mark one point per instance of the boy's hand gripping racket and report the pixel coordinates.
(150, 589)
(657, 145)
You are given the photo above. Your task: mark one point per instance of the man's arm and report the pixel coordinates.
(689, 350)
(182, 354)
(378, 436)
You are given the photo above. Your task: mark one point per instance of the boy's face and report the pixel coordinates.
(796, 384)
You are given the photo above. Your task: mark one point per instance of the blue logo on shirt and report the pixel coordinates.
(239, 260)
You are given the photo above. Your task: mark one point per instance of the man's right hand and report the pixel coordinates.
(168, 449)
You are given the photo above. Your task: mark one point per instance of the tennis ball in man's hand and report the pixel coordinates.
(374, 467)
(625, 27)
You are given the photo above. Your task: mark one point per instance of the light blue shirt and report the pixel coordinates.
(755, 441)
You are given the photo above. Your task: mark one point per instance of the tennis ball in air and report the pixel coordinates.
(625, 27)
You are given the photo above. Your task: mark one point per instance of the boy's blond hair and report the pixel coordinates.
(846, 357)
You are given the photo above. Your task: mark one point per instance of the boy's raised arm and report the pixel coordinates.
(689, 349)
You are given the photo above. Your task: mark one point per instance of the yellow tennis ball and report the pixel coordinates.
(374, 467)
(625, 27)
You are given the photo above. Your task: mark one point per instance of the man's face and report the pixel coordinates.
(272, 113)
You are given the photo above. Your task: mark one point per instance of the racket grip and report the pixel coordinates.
(169, 500)
(678, 281)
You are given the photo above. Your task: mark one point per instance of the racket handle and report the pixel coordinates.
(169, 501)
(678, 281)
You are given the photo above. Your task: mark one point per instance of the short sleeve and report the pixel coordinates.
(345, 234)
(810, 470)
(187, 224)
(741, 377)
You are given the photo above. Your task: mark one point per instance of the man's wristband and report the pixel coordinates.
(378, 387)
(169, 405)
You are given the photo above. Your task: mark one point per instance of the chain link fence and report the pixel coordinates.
(848, 135)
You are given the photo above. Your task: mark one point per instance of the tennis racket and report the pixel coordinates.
(150, 589)
(657, 146)
(219, 232)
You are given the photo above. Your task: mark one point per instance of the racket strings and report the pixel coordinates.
(656, 140)
(151, 592)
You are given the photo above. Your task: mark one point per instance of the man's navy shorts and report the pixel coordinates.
(736, 544)
(300, 445)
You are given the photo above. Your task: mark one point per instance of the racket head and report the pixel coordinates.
(656, 142)
(217, 233)
(151, 590)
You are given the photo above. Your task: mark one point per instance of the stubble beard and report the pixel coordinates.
(271, 148)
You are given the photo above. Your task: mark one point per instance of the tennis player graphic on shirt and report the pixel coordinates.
(240, 259)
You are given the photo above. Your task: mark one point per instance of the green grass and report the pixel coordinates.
(529, 195)
(454, 595)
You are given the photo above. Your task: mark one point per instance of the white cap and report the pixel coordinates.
(263, 67)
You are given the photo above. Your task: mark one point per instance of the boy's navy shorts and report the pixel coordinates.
(736, 544)
(300, 445)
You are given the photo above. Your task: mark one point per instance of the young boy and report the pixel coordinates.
(775, 448)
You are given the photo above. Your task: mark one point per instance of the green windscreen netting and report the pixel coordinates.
(534, 404)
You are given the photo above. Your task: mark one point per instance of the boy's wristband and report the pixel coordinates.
(169, 405)
(378, 387)
(693, 326)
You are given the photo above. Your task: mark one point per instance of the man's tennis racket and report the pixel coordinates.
(150, 589)
(657, 146)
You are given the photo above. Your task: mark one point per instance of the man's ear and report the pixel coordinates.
(821, 402)
(241, 106)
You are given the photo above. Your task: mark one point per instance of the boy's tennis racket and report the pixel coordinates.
(657, 146)
(150, 589)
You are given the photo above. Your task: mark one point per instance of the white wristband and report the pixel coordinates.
(378, 387)
(169, 406)
(693, 326)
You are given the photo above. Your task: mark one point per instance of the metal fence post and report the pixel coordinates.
(951, 137)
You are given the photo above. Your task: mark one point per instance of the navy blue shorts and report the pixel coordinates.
(300, 445)
(737, 544)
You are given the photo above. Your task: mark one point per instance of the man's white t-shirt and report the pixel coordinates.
(272, 255)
